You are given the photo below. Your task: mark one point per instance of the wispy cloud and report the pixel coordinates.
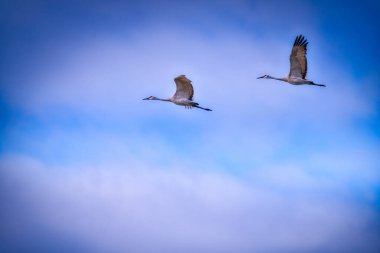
(134, 207)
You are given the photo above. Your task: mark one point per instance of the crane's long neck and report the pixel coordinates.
(164, 99)
(284, 79)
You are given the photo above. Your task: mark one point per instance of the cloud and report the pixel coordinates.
(135, 207)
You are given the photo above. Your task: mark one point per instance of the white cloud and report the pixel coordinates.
(135, 207)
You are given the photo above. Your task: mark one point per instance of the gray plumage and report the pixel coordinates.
(183, 95)
(298, 64)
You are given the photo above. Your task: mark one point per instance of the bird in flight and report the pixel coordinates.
(183, 95)
(298, 65)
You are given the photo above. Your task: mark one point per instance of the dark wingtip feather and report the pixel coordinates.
(305, 42)
(296, 40)
(300, 41)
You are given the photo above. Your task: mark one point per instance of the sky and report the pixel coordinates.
(87, 166)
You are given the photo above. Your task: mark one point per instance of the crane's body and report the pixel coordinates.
(298, 65)
(183, 95)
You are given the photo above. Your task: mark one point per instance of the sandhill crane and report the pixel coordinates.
(298, 65)
(183, 95)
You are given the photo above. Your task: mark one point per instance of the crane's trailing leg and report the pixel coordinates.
(316, 84)
(206, 109)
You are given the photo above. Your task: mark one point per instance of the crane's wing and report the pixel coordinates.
(298, 61)
(184, 88)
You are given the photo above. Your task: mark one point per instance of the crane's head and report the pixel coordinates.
(150, 98)
(264, 76)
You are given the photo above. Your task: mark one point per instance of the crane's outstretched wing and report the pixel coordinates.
(184, 88)
(298, 61)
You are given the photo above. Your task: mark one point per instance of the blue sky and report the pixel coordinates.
(87, 166)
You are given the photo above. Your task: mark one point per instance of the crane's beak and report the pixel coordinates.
(261, 77)
(145, 98)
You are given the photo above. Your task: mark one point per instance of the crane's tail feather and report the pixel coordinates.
(206, 109)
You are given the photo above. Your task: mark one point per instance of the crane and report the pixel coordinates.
(298, 65)
(183, 95)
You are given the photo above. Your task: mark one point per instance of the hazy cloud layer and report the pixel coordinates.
(134, 207)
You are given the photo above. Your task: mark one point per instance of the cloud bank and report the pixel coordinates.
(136, 208)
